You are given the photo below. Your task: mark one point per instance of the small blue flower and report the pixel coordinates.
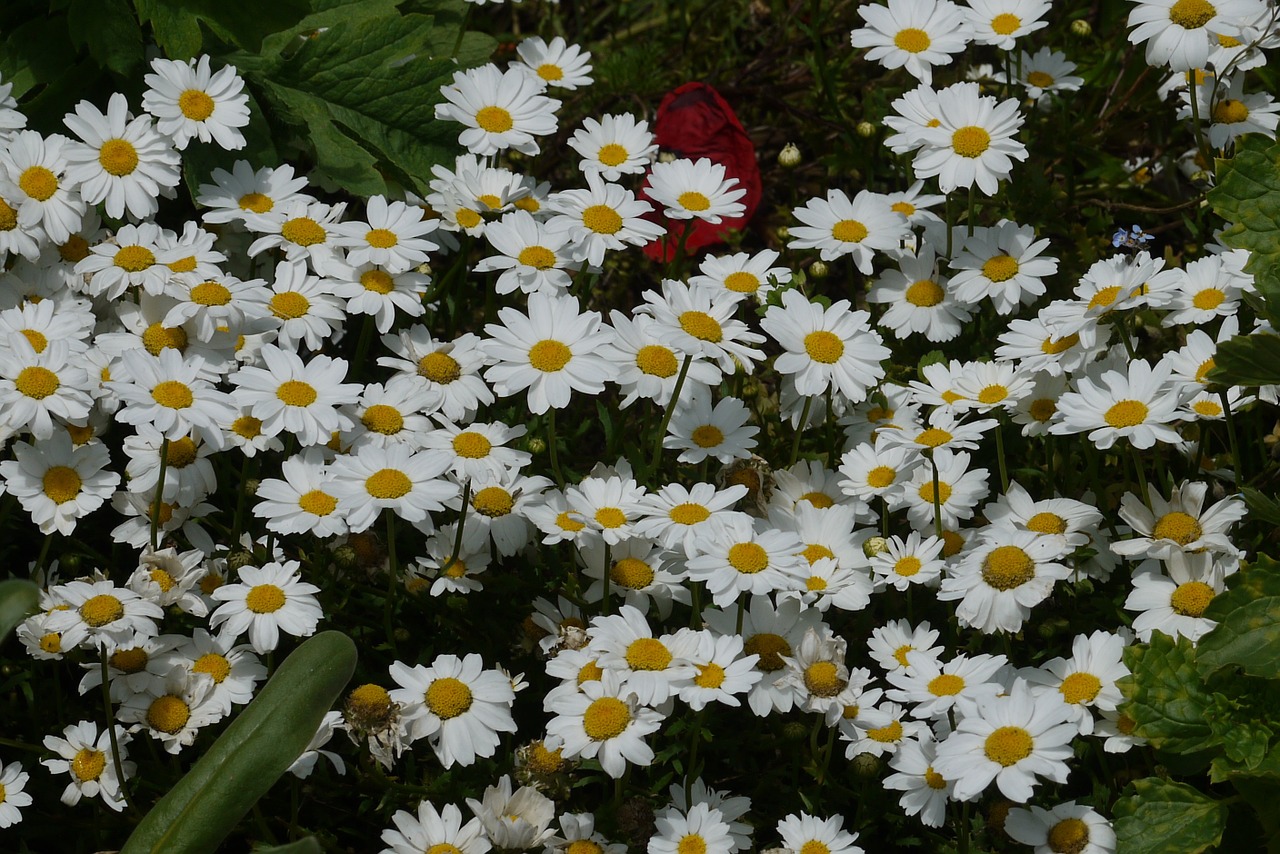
(1134, 238)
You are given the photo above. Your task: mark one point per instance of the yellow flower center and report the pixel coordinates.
(992, 394)
(815, 584)
(247, 427)
(648, 654)
(88, 764)
(1052, 347)
(748, 558)
(567, 523)
(813, 846)
(471, 445)
(589, 672)
(933, 779)
(925, 293)
(824, 347)
(210, 293)
(172, 394)
(1208, 299)
(741, 282)
(932, 437)
(382, 419)
(688, 514)
(905, 208)
(256, 202)
(1047, 523)
(370, 702)
(388, 484)
(926, 492)
(612, 154)
(912, 40)
(131, 660)
(822, 679)
(439, 368)
(1104, 297)
(537, 257)
(52, 644)
(1191, 598)
(1042, 410)
(1005, 23)
(631, 573)
(493, 501)
(99, 610)
(693, 201)
(702, 326)
(656, 361)
(215, 665)
(289, 305)
(606, 718)
(381, 238)
(815, 552)
(444, 848)
(1192, 14)
(549, 355)
(195, 105)
(8, 216)
(1040, 79)
(264, 599)
(118, 157)
(38, 183)
(447, 698)
(583, 846)
(707, 436)
(543, 761)
(710, 675)
(1000, 268)
(889, 734)
(494, 119)
(303, 230)
(317, 503)
(881, 477)
(1126, 413)
(377, 281)
(610, 517)
(1007, 567)
(1180, 527)
(75, 249)
(770, 647)
(134, 259)
(467, 218)
(296, 393)
(162, 579)
(907, 566)
(1207, 408)
(168, 714)
(157, 337)
(946, 685)
(602, 219)
(61, 484)
(1080, 688)
(1008, 745)
(36, 339)
(849, 231)
(1069, 836)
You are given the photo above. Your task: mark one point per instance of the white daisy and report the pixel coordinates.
(614, 145)
(698, 189)
(188, 100)
(914, 35)
(556, 64)
(500, 109)
(837, 226)
(265, 601)
(456, 704)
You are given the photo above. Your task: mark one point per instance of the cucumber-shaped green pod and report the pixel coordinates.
(247, 759)
(19, 599)
(310, 845)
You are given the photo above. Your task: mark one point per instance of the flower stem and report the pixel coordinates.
(393, 577)
(671, 408)
(1142, 476)
(804, 421)
(1236, 459)
(1004, 469)
(551, 447)
(937, 502)
(155, 507)
(111, 724)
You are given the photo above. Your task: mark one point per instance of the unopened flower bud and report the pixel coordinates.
(1081, 28)
(239, 558)
(818, 270)
(789, 156)
(866, 130)
(875, 546)
(866, 765)
(535, 445)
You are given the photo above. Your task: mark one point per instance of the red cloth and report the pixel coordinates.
(694, 121)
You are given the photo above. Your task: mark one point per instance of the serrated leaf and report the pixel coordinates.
(1247, 360)
(324, 14)
(109, 30)
(366, 90)
(1254, 581)
(1166, 697)
(1247, 195)
(1223, 768)
(1163, 817)
(1248, 637)
(1241, 727)
(176, 23)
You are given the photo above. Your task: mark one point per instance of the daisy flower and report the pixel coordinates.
(1178, 32)
(607, 504)
(166, 391)
(914, 114)
(925, 792)
(722, 671)
(699, 430)
(299, 397)
(614, 145)
(877, 471)
(825, 348)
(449, 367)
(389, 414)
(478, 450)
(1175, 603)
(1041, 346)
(958, 491)
(394, 238)
(121, 160)
(1009, 739)
(838, 226)
(908, 561)
(745, 557)
(1003, 578)
(1180, 523)
(653, 668)
(456, 704)
(974, 142)
(235, 670)
(500, 109)
(679, 516)
(500, 506)
(1087, 680)
(558, 64)
(394, 477)
(702, 828)
(266, 600)
(57, 483)
(85, 755)
(235, 195)
(514, 822)
(441, 831)
(749, 276)
(306, 230)
(531, 256)
(649, 367)
(1066, 827)
(578, 828)
(1232, 113)
(603, 721)
(1002, 264)
(914, 35)
(174, 709)
(1047, 71)
(935, 687)
(891, 643)
(301, 501)
(1139, 407)
(700, 322)
(805, 832)
(881, 729)
(33, 178)
(167, 578)
(698, 189)
(188, 100)
(920, 299)
(12, 797)
(637, 570)
(1206, 288)
(603, 217)
(988, 386)
(550, 351)
(133, 258)
(1002, 22)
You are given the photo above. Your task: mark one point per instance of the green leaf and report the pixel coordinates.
(1241, 725)
(366, 91)
(176, 23)
(1247, 195)
(110, 31)
(1256, 580)
(19, 599)
(1163, 817)
(310, 845)
(325, 14)
(1247, 360)
(251, 754)
(1262, 508)
(36, 52)
(1249, 637)
(1167, 699)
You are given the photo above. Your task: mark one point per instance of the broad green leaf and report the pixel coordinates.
(1223, 768)
(1247, 195)
(1248, 637)
(1163, 817)
(324, 14)
(36, 52)
(1247, 360)
(1255, 580)
(19, 599)
(1240, 721)
(110, 31)
(310, 845)
(251, 754)
(1263, 508)
(366, 91)
(1167, 698)
(176, 23)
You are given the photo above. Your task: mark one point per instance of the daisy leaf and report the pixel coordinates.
(1163, 817)
(1247, 195)
(1248, 632)
(1166, 697)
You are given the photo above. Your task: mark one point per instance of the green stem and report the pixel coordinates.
(1201, 145)
(671, 408)
(973, 212)
(393, 577)
(551, 446)
(462, 31)
(608, 578)
(804, 422)
(1236, 459)
(691, 768)
(111, 726)
(155, 507)
(937, 504)
(1004, 470)
(1142, 475)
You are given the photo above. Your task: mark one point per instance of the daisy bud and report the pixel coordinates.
(237, 559)
(794, 731)
(251, 486)
(784, 233)
(1080, 27)
(535, 445)
(818, 270)
(866, 765)
(789, 157)
(866, 130)
(875, 546)
(666, 157)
